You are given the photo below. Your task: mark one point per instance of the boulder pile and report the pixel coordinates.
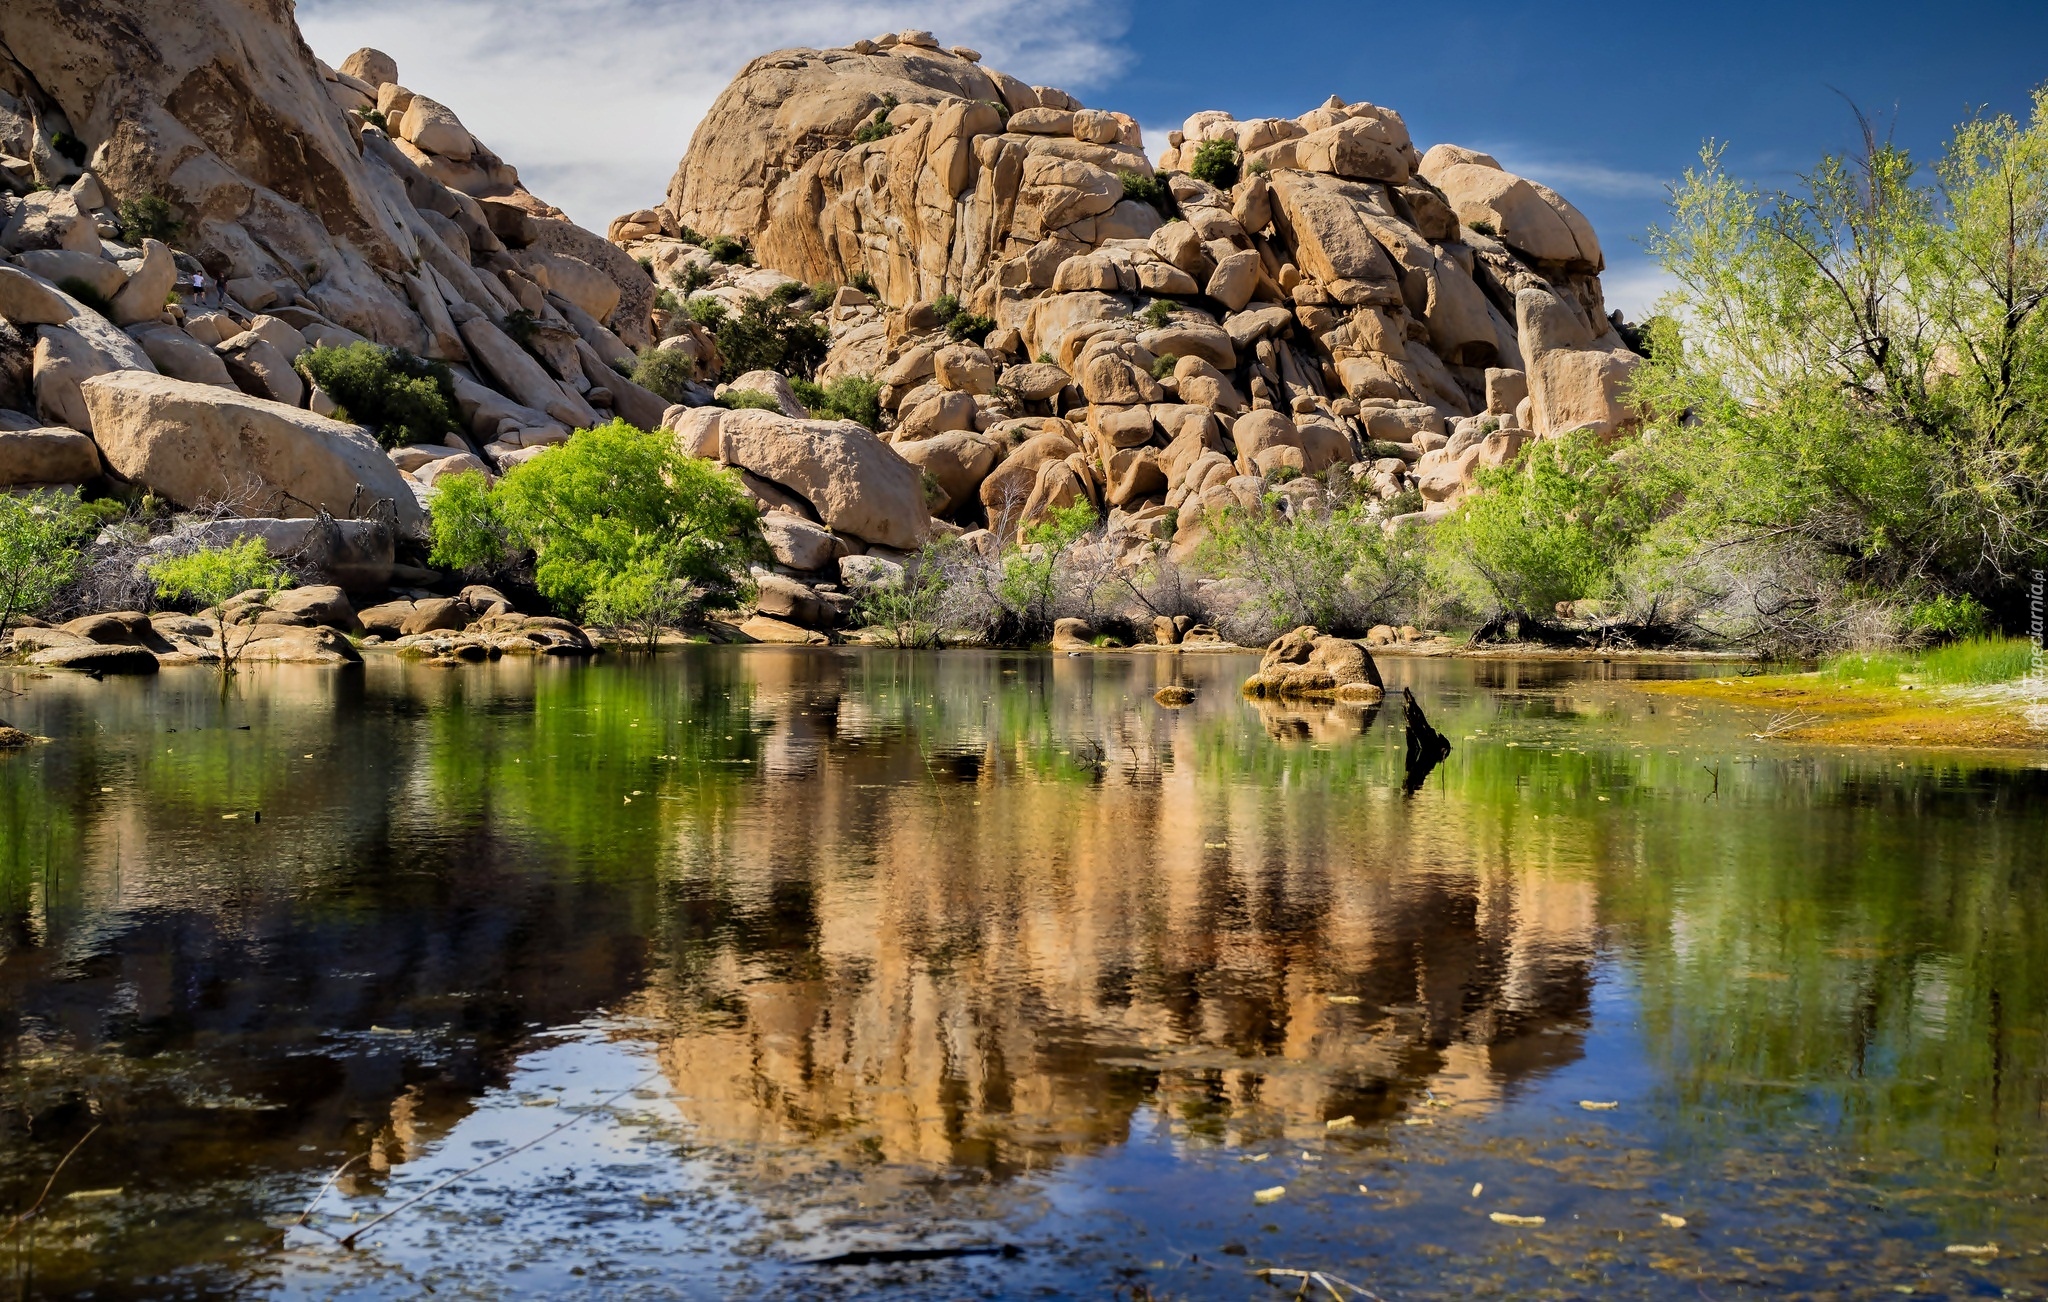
(1325, 312)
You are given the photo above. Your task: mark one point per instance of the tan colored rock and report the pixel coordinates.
(259, 368)
(856, 483)
(1256, 431)
(1235, 279)
(936, 415)
(142, 298)
(765, 628)
(372, 66)
(957, 461)
(1202, 385)
(1187, 336)
(1009, 486)
(1570, 389)
(26, 301)
(796, 542)
(964, 368)
(47, 456)
(193, 443)
(1034, 381)
(180, 356)
(59, 265)
(1518, 215)
(433, 127)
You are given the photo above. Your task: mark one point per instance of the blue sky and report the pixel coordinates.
(594, 100)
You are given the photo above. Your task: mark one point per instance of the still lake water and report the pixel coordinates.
(825, 952)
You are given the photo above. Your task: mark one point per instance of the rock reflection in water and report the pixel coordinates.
(922, 971)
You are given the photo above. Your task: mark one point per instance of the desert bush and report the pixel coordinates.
(848, 397)
(1338, 570)
(1216, 162)
(724, 248)
(1162, 365)
(614, 519)
(148, 216)
(1147, 190)
(690, 277)
(1157, 313)
(747, 400)
(767, 335)
(945, 307)
(665, 371)
(707, 311)
(863, 282)
(399, 397)
(970, 327)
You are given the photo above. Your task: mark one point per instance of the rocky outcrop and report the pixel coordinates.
(1307, 665)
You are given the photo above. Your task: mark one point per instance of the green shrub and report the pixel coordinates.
(747, 400)
(1162, 365)
(665, 300)
(1340, 571)
(1258, 167)
(724, 248)
(42, 546)
(1556, 526)
(707, 311)
(875, 128)
(970, 328)
(148, 216)
(84, 292)
(822, 294)
(401, 398)
(621, 525)
(1485, 228)
(1157, 313)
(520, 325)
(1977, 661)
(646, 265)
(1216, 162)
(863, 282)
(1282, 474)
(213, 576)
(689, 235)
(692, 277)
(766, 335)
(945, 307)
(372, 117)
(850, 397)
(789, 291)
(70, 147)
(1947, 617)
(1147, 190)
(665, 371)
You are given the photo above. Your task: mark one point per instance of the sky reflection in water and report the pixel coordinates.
(871, 951)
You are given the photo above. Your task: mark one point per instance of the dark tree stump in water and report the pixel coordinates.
(1427, 747)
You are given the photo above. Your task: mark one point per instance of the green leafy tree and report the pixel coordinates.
(848, 397)
(1034, 575)
(768, 334)
(1859, 365)
(610, 518)
(214, 576)
(42, 537)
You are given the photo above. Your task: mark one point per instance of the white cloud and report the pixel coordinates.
(594, 100)
(1579, 177)
(1633, 284)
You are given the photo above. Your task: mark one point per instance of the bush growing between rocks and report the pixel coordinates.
(1157, 313)
(692, 277)
(1162, 365)
(767, 335)
(213, 576)
(945, 307)
(849, 397)
(375, 118)
(1147, 190)
(519, 326)
(707, 311)
(1339, 571)
(747, 400)
(1216, 162)
(401, 398)
(969, 327)
(70, 147)
(621, 526)
(148, 216)
(42, 547)
(665, 371)
(863, 282)
(724, 248)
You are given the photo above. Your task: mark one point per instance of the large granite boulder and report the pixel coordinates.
(856, 483)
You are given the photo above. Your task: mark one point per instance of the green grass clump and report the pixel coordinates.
(1216, 163)
(401, 398)
(748, 400)
(1162, 365)
(1970, 662)
(1158, 314)
(665, 371)
(945, 307)
(850, 397)
(1485, 228)
(878, 127)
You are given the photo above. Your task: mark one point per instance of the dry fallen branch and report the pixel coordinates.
(37, 1205)
(1310, 1278)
